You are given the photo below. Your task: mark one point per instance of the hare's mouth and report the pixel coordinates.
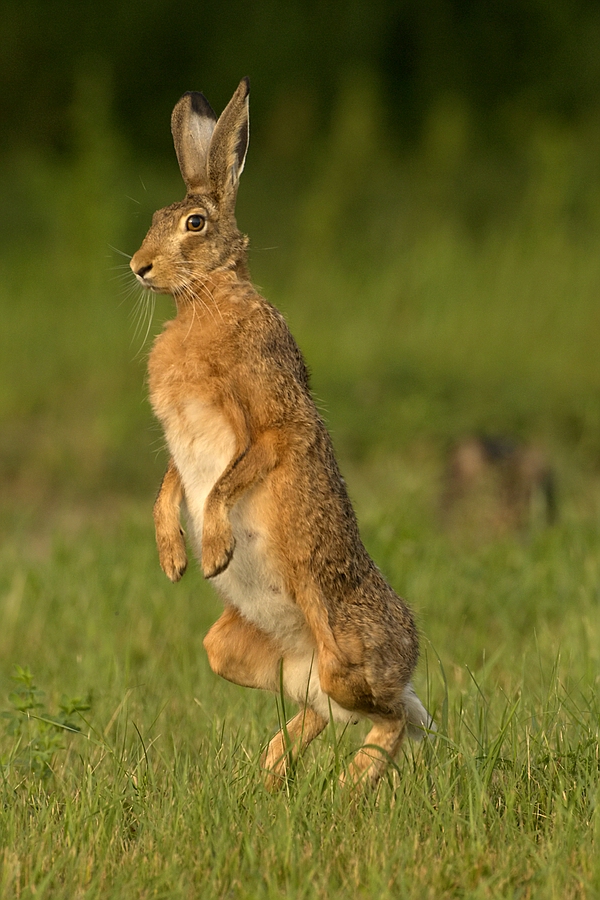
(149, 284)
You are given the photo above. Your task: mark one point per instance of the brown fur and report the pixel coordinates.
(169, 535)
(227, 381)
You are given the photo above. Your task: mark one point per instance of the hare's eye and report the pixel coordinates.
(195, 222)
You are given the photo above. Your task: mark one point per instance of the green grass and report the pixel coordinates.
(160, 793)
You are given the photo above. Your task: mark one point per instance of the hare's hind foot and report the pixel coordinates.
(379, 749)
(288, 744)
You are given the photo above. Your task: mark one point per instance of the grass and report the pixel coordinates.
(160, 794)
(418, 331)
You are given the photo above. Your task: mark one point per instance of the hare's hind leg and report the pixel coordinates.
(240, 652)
(289, 743)
(380, 747)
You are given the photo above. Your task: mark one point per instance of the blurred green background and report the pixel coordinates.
(422, 195)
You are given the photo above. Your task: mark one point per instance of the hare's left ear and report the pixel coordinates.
(229, 145)
(192, 124)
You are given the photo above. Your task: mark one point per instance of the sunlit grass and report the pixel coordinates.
(161, 789)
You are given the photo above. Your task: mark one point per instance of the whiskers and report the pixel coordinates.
(158, 446)
(191, 290)
(143, 316)
(184, 284)
(120, 252)
(144, 302)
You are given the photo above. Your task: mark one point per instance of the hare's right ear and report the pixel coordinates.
(192, 124)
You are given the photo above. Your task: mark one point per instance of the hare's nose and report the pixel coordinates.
(143, 270)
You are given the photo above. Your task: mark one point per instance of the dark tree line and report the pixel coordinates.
(540, 55)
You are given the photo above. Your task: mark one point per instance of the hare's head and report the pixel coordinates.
(189, 240)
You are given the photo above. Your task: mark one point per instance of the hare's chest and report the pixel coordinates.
(202, 444)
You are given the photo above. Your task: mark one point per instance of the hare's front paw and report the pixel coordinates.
(172, 554)
(218, 545)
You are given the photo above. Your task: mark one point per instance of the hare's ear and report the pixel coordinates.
(229, 144)
(192, 124)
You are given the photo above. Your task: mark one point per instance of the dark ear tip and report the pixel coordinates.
(200, 104)
(246, 82)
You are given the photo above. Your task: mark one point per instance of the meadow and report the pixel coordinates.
(129, 769)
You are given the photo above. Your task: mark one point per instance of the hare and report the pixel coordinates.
(253, 466)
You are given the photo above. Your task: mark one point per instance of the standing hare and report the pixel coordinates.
(252, 461)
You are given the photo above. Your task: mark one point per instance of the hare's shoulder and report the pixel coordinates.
(267, 338)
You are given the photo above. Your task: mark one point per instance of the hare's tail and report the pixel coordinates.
(420, 722)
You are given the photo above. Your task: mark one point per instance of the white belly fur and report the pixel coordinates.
(202, 444)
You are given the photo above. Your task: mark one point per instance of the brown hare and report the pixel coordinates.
(253, 465)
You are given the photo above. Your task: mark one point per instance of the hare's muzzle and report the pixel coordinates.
(141, 269)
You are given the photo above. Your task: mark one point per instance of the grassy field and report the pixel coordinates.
(159, 794)
(129, 769)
